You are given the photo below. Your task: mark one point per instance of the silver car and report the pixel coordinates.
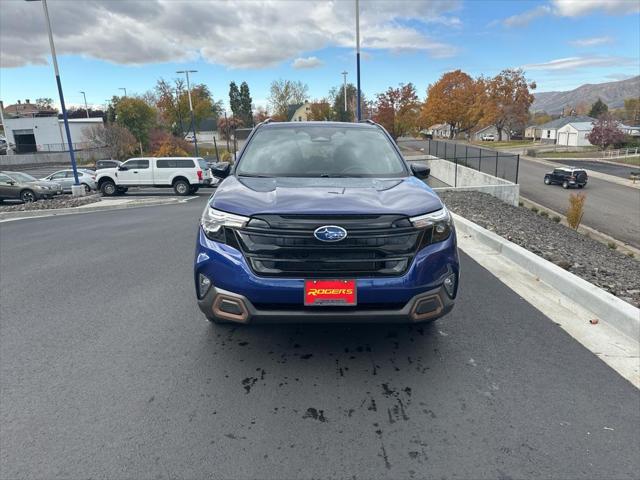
(23, 186)
(65, 178)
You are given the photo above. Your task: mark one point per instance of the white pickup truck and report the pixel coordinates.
(184, 174)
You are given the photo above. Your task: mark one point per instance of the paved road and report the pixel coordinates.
(109, 370)
(610, 208)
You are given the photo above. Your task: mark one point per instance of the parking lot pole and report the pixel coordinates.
(65, 118)
(358, 56)
(193, 120)
(517, 167)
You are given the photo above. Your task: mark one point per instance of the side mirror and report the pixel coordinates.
(420, 170)
(221, 169)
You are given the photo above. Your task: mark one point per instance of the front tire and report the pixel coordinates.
(181, 187)
(87, 188)
(547, 181)
(565, 184)
(108, 189)
(27, 196)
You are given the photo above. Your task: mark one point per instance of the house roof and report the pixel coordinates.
(581, 126)
(562, 121)
(291, 110)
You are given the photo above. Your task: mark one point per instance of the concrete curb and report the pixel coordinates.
(10, 216)
(610, 309)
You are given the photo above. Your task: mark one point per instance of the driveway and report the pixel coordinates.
(109, 370)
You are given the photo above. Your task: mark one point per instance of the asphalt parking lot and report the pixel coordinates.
(109, 370)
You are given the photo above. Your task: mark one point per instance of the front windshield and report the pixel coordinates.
(320, 151)
(23, 177)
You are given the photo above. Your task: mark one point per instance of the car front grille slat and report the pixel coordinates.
(376, 245)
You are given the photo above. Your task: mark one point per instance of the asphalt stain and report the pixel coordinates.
(306, 356)
(315, 414)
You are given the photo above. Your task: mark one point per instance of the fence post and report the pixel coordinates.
(455, 154)
(437, 148)
(480, 161)
(466, 155)
(517, 168)
(496, 165)
(215, 145)
(455, 182)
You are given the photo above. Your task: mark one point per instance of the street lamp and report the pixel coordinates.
(358, 55)
(125, 91)
(86, 109)
(193, 122)
(344, 75)
(76, 188)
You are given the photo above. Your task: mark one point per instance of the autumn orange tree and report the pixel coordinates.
(320, 110)
(508, 99)
(398, 110)
(455, 99)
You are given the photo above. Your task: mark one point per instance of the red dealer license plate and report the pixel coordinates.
(329, 292)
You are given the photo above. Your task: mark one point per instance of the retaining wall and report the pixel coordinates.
(52, 157)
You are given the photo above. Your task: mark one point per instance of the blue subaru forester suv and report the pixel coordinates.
(324, 222)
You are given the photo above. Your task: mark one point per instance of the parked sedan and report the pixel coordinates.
(18, 185)
(65, 178)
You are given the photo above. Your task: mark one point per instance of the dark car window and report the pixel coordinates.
(70, 174)
(174, 163)
(138, 164)
(5, 179)
(319, 150)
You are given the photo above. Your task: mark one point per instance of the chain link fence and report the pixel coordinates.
(499, 164)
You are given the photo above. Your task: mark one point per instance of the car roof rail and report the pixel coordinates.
(264, 122)
(368, 120)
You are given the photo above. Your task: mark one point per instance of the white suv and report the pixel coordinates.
(185, 174)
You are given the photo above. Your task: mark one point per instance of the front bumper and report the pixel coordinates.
(426, 306)
(280, 299)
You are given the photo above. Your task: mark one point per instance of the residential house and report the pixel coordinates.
(27, 109)
(533, 132)
(550, 129)
(491, 130)
(574, 134)
(440, 130)
(634, 131)
(299, 112)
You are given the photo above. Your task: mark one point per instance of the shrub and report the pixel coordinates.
(630, 255)
(576, 209)
(612, 245)
(531, 152)
(544, 213)
(226, 157)
(556, 218)
(520, 204)
(534, 209)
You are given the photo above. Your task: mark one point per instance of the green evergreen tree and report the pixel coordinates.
(246, 113)
(234, 99)
(598, 108)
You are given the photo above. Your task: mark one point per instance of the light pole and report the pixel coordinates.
(76, 188)
(86, 109)
(193, 122)
(344, 75)
(358, 55)
(125, 91)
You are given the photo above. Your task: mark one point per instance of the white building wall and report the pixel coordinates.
(50, 130)
(572, 137)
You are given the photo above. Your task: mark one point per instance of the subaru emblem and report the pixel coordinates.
(330, 233)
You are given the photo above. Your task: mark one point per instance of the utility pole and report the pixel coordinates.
(125, 91)
(358, 56)
(86, 109)
(76, 188)
(193, 121)
(344, 75)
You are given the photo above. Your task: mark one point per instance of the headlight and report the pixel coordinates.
(213, 221)
(42, 187)
(439, 223)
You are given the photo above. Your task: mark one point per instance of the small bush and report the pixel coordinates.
(534, 209)
(612, 245)
(226, 157)
(576, 209)
(532, 152)
(520, 204)
(544, 213)
(630, 255)
(556, 218)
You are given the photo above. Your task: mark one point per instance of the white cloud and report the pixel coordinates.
(591, 42)
(571, 64)
(574, 8)
(308, 62)
(526, 17)
(252, 34)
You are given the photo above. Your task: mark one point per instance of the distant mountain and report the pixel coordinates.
(611, 93)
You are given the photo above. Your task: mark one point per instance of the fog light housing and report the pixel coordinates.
(204, 284)
(450, 285)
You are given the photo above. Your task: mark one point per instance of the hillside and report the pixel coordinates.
(611, 93)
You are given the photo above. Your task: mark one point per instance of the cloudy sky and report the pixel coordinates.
(103, 45)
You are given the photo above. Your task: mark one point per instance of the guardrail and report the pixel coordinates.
(499, 164)
(621, 152)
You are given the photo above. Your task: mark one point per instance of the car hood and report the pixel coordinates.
(250, 196)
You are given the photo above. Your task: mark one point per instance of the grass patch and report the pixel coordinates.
(514, 143)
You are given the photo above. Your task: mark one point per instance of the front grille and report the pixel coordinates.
(284, 246)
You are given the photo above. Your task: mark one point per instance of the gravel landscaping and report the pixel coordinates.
(587, 258)
(61, 201)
